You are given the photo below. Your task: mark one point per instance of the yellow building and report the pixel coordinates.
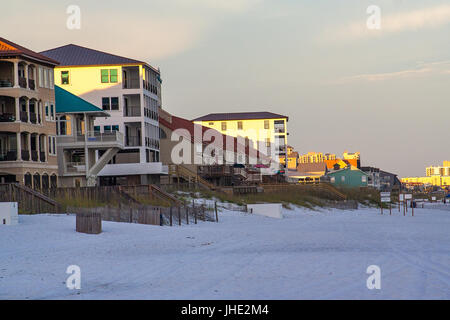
(292, 157)
(311, 157)
(435, 176)
(266, 128)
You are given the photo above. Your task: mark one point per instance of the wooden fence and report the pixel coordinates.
(89, 222)
(29, 200)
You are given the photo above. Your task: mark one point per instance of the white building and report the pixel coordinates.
(130, 91)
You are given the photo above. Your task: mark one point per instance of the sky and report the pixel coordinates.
(384, 92)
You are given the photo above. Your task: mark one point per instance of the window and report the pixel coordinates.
(333, 180)
(52, 112)
(211, 123)
(115, 128)
(110, 103)
(108, 75)
(46, 76)
(343, 178)
(224, 126)
(363, 179)
(64, 77)
(279, 126)
(96, 128)
(51, 79)
(266, 124)
(64, 126)
(114, 103)
(47, 114)
(268, 142)
(41, 77)
(240, 126)
(113, 75)
(52, 145)
(106, 129)
(105, 103)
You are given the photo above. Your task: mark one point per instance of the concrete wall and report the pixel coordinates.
(9, 213)
(272, 210)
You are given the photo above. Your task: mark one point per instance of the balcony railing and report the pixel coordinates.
(132, 111)
(131, 84)
(75, 167)
(25, 155)
(31, 84)
(6, 83)
(33, 117)
(22, 82)
(9, 156)
(23, 116)
(93, 137)
(133, 141)
(7, 117)
(34, 155)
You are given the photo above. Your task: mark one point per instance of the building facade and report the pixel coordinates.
(130, 91)
(27, 117)
(349, 177)
(266, 130)
(438, 176)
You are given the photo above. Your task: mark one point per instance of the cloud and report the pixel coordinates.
(431, 17)
(421, 70)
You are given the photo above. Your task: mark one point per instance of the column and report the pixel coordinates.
(29, 146)
(19, 146)
(38, 147)
(17, 100)
(26, 76)
(45, 148)
(16, 74)
(28, 110)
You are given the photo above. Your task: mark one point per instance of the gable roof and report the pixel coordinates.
(75, 55)
(67, 102)
(240, 116)
(8, 48)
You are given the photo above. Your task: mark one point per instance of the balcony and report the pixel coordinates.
(133, 141)
(93, 139)
(10, 155)
(132, 111)
(75, 167)
(131, 84)
(25, 155)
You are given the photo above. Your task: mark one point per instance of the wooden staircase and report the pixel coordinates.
(328, 187)
(181, 171)
(29, 200)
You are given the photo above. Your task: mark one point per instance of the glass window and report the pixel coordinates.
(115, 128)
(114, 103)
(266, 124)
(64, 126)
(97, 128)
(343, 178)
(64, 77)
(104, 75)
(279, 126)
(52, 112)
(106, 128)
(240, 126)
(113, 75)
(105, 103)
(224, 126)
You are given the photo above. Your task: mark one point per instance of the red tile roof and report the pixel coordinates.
(180, 123)
(8, 48)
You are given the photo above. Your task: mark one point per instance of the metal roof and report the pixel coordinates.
(74, 55)
(240, 116)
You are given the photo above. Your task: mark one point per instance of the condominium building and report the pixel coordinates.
(27, 117)
(435, 176)
(263, 128)
(130, 91)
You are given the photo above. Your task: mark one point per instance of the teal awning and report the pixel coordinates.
(67, 102)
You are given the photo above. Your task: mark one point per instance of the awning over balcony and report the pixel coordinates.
(67, 102)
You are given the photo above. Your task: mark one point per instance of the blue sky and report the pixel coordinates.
(382, 92)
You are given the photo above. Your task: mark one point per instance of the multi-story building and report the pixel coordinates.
(27, 117)
(311, 157)
(78, 142)
(130, 91)
(292, 158)
(265, 129)
(435, 176)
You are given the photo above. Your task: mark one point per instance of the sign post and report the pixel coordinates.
(408, 197)
(385, 198)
